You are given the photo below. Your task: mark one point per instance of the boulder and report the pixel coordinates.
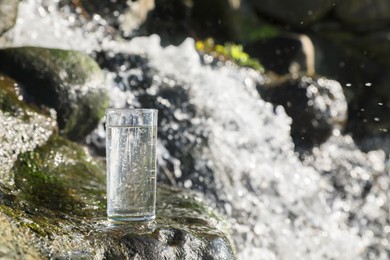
(8, 13)
(317, 106)
(68, 81)
(364, 15)
(285, 53)
(59, 210)
(295, 12)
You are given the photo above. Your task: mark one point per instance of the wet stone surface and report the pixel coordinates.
(59, 203)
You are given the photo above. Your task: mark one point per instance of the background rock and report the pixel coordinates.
(295, 12)
(285, 53)
(362, 14)
(317, 106)
(68, 81)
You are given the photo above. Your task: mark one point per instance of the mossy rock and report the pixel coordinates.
(59, 203)
(68, 81)
(8, 13)
(23, 126)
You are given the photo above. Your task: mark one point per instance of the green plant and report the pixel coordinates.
(229, 51)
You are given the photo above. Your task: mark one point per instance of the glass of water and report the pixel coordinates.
(131, 164)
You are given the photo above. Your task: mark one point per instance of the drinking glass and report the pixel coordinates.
(131, 164)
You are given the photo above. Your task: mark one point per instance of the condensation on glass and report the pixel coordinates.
(131, 164)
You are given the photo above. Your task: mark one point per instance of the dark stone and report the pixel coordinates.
(317, 106)
(8, 13)
(68, 81)
(296, 12)
(361, 65)
(285, 53)
(364, 15)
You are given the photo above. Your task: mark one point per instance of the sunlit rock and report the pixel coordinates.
(364, 15)
(68, 81)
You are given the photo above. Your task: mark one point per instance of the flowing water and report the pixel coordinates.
(219, 137)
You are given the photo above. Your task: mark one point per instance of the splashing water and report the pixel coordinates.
(277, 206)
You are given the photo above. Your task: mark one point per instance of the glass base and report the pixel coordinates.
(130, 218)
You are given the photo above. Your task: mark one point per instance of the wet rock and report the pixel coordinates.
(317, 106)
(13, 243)
(60, 205)
(364, 15)
(8, 13)
(376, 46)
(23, 127)
(68, 81)
(300, 13)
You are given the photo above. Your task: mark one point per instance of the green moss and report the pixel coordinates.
(60, 176)
(229, 51)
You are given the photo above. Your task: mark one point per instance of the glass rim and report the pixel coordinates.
(131, 110)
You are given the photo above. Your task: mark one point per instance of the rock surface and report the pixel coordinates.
(68, 81)
(360, 64)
